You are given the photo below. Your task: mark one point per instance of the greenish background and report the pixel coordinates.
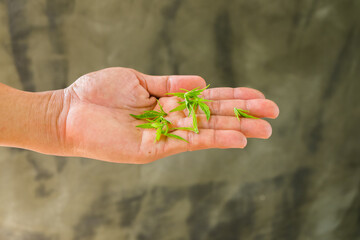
(303, 183)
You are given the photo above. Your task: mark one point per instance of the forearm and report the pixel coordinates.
(31, 120)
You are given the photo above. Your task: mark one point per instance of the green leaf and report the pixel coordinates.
(195, 125)
(182, 128)
(158, 134)
(148, 114)
(176, 137)
(197, 91)
(151, 120)
(188, 107)
(156, 120)
(180, 95)
(248, 116)
(241, 113)
(161, 108)
(154, 112)
(191, 103)
(156, 125)
(183, 89)
(205, 100)
(143, 116)
(193, 94)
(167, 121)
(236, 113)
(166, 129)
(195, 106)
(162, 120)
(179, 108)
(205, 108)
(145, 125)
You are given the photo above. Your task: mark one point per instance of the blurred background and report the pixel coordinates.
(303, 183)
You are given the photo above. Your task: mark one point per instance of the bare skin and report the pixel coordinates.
(91, 117)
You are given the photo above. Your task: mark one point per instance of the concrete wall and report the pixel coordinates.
(303, 183)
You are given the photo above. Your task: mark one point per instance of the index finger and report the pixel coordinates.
(227, 93)
(159, 86)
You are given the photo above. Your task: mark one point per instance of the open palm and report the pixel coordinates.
(98, 124)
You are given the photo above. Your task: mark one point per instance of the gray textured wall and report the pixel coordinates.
(303, 183)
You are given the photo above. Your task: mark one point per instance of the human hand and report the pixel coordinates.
(96, 122)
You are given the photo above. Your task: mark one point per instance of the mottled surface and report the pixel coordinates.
(303, 183)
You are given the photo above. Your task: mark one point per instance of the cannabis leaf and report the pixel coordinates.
(191, 103)
(242, 113)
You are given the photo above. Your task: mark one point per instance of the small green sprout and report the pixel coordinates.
(242, 113)
(191, 103)
(151, 114)
(157, 121)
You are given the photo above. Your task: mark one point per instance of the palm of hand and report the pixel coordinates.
(98, 124)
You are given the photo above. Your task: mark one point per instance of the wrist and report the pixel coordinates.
(33, 121)
(47, 121)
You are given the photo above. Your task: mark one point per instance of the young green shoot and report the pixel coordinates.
(155, 120)
(191, 102)
(151, 114)
(242, 113)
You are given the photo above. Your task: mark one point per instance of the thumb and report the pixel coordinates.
(158, 86)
